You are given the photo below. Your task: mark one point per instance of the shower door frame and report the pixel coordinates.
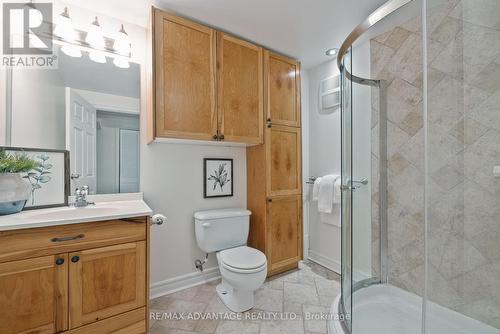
(383, 11)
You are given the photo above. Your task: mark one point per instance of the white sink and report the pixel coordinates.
(72, 215)
(72, 212)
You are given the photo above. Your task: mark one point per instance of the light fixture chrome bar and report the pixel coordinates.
(383, 11)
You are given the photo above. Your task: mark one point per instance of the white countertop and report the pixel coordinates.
(107, 207)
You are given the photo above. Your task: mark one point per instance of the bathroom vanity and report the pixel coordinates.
(75, 270)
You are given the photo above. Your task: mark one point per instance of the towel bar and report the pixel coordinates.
(363, 181)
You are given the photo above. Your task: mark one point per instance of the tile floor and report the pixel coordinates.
(309, 290)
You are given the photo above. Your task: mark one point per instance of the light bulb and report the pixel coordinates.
(71, 51)
(95, 38)
(64, 27)
(121, 63)
(97, 57)
(331, 52)
(122, 42)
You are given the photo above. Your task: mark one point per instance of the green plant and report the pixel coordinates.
(39, 175)
(16, 162)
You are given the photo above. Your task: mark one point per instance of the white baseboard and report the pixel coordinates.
(178, 283)
(325, 261)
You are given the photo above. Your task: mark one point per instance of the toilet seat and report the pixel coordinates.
(243, 259)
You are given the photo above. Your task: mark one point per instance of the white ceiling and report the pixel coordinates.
(303, 29)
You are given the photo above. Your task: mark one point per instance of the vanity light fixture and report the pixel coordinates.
(97, 57)
(73, 41)
(64, 27)
(121, 62)
(95, 38)
(122, 42)
(65, 30)
(331, 52)
(71, 50)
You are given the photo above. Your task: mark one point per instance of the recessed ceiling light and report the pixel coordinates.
(331, 52)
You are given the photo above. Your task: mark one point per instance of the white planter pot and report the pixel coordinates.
(14, 192)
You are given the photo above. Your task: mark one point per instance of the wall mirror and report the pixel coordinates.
(88, 107)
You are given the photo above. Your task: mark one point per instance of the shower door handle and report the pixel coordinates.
(354, 184)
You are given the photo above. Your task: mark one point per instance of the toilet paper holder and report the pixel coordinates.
(158, 219)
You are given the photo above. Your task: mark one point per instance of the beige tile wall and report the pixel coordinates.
(463, 146)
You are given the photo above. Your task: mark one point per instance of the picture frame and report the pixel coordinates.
(53, 190)
(217, 177)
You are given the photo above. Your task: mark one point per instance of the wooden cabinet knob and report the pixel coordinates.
(221, 137)
(215, 137)
(59, 261)
(75, 259)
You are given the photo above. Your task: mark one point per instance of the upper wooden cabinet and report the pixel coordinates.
(208, 85)
(283, 89)
(184, 72)
(240, 90)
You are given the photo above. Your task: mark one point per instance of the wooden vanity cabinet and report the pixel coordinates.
(33, 295)
(87, 281)
(208, 85)
(106, 281)
(274, 170)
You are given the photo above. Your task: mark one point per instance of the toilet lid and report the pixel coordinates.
(243, 258)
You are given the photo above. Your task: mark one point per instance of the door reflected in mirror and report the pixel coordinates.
(89, 108)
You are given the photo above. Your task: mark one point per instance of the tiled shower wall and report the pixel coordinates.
(463, 42)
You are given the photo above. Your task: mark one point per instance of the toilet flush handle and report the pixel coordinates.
(206, 225)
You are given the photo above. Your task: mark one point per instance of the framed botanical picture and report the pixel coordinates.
(218, 177)
(49, 181)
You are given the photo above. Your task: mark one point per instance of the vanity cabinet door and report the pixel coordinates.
(283, 150)
(107, 281)
(284, 232)
(240, 90)
(184, 72)
(34, 294)
(283, 89)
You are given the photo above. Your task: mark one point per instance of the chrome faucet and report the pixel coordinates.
(81, 197)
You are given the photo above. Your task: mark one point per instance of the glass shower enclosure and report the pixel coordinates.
(420, 119)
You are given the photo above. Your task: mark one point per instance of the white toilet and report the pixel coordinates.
(243, 269)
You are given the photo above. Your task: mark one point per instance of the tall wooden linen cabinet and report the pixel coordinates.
(274, 170)
(209, 85)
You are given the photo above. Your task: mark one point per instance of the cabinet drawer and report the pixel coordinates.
(27, 243)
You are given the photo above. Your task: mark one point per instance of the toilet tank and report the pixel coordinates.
(221, 229)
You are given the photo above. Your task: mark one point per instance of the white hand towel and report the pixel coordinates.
(316, 185)
(337, 191)
(326, 193)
